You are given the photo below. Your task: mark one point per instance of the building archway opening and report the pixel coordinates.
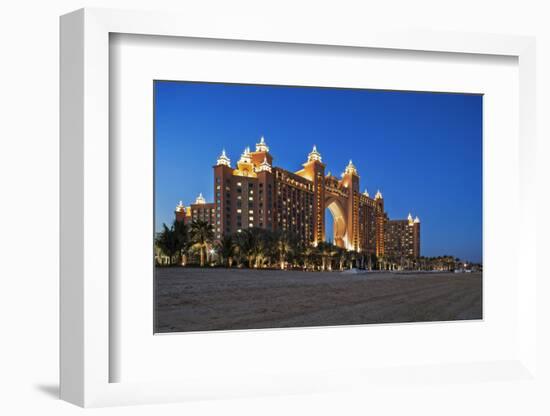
(335, 225)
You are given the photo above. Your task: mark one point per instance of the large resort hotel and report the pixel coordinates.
(258, 194)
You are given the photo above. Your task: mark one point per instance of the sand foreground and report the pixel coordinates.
(193, 299)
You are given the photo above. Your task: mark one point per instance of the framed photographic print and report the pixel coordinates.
(238, 207)
(276, 239)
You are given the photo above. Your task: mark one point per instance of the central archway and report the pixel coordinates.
(339, 222)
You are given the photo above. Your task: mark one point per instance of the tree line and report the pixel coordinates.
(194, 244)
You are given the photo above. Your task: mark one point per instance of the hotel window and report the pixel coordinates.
(239, 210)
(250, 198)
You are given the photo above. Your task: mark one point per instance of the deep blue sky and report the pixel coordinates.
(422, 150)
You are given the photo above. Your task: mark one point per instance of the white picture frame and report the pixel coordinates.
(85, 202)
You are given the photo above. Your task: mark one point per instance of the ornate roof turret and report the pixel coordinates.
(350, 169)
(378, 195)
(410, 219)
(366, 193)
(200, 199)
(245, 157)
(264, 166)
(314, 155)
(262, 146)
(223, 160)
(417, 220)
(180, 207)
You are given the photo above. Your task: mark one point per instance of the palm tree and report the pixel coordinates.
(202, 234)
(286, 244)
(381, 260)
(246, 242)
(226, 250)
(182, 239)
(352, 257)
(372, 262)
(260, 249)
(308, 255)
(167, 242)
(334, 251)
(325, 249)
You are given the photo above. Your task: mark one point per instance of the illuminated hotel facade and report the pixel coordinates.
(257, 194)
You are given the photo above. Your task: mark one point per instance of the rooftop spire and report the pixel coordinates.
(264, 166)
(314, 155)
(378, 195)
(245, 157)
(223, 160)
(180, 207)
(200, 199)
(262, 146)
(416, 220)
(410, 218)
(366, 193)
(350, 168)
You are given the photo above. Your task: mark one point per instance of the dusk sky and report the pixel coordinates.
(423, 151)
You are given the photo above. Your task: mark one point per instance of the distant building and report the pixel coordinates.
(402, 237)
(255, 193)
(200, 210)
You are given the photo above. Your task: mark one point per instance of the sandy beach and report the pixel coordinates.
(193, 299)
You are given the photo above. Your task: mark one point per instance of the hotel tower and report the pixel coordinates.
(255, 193)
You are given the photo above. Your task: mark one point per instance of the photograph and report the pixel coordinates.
(285, 206)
